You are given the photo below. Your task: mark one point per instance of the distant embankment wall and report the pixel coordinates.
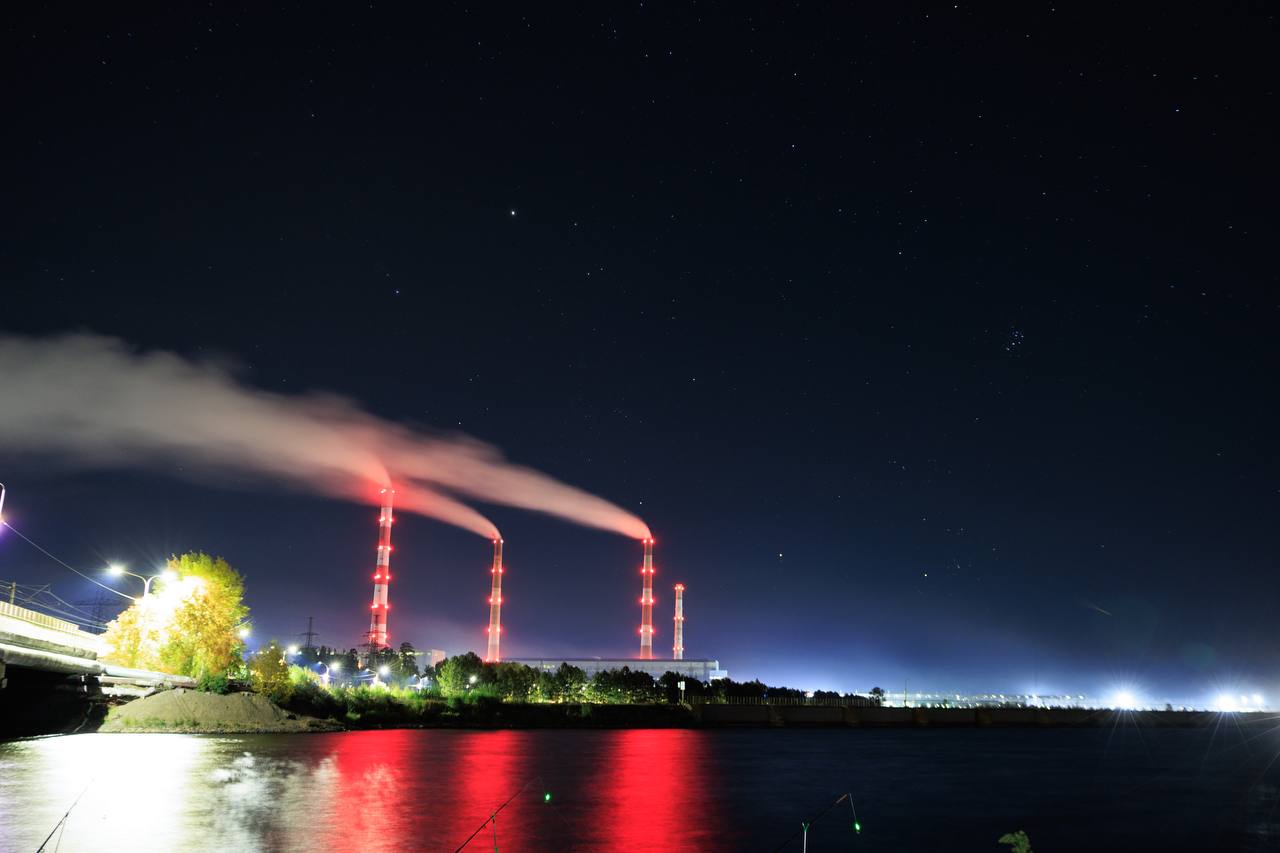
(712, 715)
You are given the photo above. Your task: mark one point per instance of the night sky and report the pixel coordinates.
(936, 344)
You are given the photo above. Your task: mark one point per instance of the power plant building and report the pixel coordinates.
(702, 670)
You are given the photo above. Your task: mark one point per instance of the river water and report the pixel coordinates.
(645, 789)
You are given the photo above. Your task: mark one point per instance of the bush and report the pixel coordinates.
(270, 674)
(209, 683)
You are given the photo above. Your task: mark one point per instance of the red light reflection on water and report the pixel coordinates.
(487, 775)
(637, 789)
(655, 792)
(365, 806)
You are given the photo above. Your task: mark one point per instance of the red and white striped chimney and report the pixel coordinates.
(495, 603)
(646, 602)
(381, 576)
(677, 650)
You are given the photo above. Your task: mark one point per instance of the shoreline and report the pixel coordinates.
(190, 712)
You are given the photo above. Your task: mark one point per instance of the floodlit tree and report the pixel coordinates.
(407, 662)
(186, 626)
(269, 672)
(515, 681)
(569, 683)
(455, 674)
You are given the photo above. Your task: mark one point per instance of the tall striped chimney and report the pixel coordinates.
(677, 650)
(381, 576)
(646, 602)
(495, 603)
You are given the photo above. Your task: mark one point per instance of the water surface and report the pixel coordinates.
(1121, 789)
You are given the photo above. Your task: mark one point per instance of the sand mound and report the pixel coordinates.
(193, 711)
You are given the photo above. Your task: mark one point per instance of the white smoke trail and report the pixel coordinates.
(92, 400)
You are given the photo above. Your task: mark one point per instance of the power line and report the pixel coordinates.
(64, 565)
(30, 595)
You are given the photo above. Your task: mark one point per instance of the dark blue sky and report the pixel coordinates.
(933, 343)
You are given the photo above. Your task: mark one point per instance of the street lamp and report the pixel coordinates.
(292, 650)
(244, 632)
(168, 576)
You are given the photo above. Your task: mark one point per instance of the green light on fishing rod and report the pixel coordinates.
(857, 827)
(546, 796)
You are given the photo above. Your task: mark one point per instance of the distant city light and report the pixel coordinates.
(1124, 700)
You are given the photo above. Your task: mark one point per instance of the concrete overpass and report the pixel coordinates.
(51, 676)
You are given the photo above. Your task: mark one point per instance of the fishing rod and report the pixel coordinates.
(805, 824)
(493, 818)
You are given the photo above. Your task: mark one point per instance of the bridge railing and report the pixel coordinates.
(41, 619)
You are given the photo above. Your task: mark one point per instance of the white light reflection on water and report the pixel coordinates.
(155, 792)
(129, 791)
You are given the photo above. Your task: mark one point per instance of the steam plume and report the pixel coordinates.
(92, 400)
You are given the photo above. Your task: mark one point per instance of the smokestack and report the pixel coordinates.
(495, 603)
(381, 576)
(646, 602)
(677, 650)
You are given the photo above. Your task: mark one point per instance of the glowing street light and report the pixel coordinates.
(168, 576)
(291, 651)
(384, 671)
(243, 632)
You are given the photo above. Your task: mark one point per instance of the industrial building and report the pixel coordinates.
(702, 670)
(900, 699)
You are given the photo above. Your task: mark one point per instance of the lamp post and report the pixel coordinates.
(168, 576)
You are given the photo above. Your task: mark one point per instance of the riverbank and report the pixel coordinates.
(191, 711)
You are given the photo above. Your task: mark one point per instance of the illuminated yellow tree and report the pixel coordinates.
(188, 626)
(269, 672)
